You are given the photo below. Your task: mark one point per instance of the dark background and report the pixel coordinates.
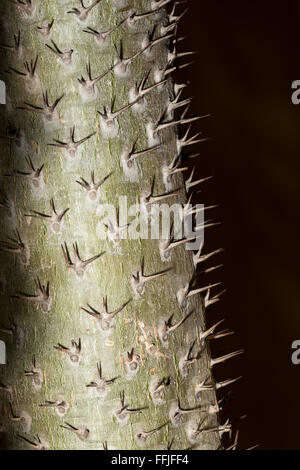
(248, 57)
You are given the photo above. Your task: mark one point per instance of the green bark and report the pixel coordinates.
(37, 327)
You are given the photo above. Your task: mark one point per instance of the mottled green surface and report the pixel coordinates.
(111, 274)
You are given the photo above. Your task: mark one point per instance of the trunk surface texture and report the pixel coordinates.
(110, 353)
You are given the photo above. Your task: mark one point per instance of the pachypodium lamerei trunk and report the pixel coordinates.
(107, 345)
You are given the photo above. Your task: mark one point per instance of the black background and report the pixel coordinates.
(248, 57)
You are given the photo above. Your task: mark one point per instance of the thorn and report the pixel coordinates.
(189, 210)
(139, 91)
(158, 4)
(208, 302)
(160, 74)
(26, 6)
(47, 110)
(16, 47)
(13, 134)
(149, 41)
(121, 63)
(114, 229)
(173, 20)
(34, 175)
(176, 19)
(198, 259)
(224, 358)
(202, 289)
(46, 30)
(102, 36)
(106, 317)
(190, 184)
(185, 142)
(5, 203)
(93, 186)
(101, 384)
(82, 432)
(227, 382)
(42, 297)
(186, 291)
(176, 104)
(133, 17)
(55, 218)
(60, 406)
(79, 265)
(14, 245)
(165, 246)
(13, 328)
(104, 445)
(108, 117)
(160, 125)
(132, 362)
(83, 12)
(204, 335)
(174, 55)
(176, 412)
(139, 279)
(6, 387)
(88, 83)
(15, 418)
(142, 436)
(188, 359)
(29, 74)
(170, 444)
(64, 55)
(206, 224)
(34, 443)
(73, 352)
(157, 389)
(132, 154)
(124, 411)
(166, 327)
(72, 145)
(147, 198)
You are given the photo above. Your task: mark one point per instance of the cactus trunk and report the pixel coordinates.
(93, 358)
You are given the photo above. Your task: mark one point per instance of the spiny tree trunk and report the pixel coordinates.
(78, 377)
